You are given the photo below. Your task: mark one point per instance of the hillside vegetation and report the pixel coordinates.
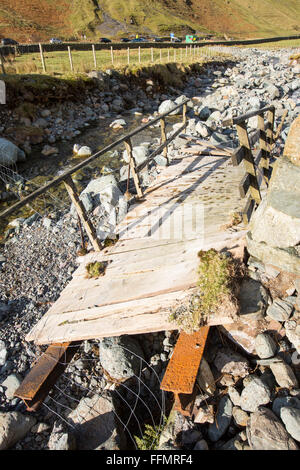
(33, 20)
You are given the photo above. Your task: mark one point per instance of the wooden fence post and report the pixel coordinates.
(42, 57)
(112, 55)
(94, 55)
(2, 64)
(70, 186)
(152, 57)
(70, 59)
(131, 163)
(164, 137)
(160, 56)
(249, 161)
(139, 54)
(168, 55)
(186, 51)
(181, 54)
(174, 54)
(128, 56)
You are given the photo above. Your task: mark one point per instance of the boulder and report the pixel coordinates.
(292, 145)
(284, 375)
(255, 393)
(11, 383)
(96, 424)
(265, 432)
(10, 153)
(291, 419)
(13, 427)
(230, 362)
(61, 440)
(122, 357)
(222, 419)
(280, 310)
(140, 154)
(166, 106)
(265, 346)
(281, 402)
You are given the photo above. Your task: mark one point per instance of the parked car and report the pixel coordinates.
(104, 40)
(175, 39)
(125, 40)
(139, 40)
(8, 42)
(158, 40)
(55, 41)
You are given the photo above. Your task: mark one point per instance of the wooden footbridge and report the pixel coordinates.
(152, 268)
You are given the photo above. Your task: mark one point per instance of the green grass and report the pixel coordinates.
(217, 280)
(83, 61)
(288, 44)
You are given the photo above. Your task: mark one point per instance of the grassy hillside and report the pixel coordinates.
(35, 20)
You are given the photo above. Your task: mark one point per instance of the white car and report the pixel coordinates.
(55, 41)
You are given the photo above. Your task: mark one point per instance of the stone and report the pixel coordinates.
(292, 331)
(3, 353)
(240, 416)
(229, 362)
(284, 375)
(97, 426)
(281, 402)
(273, 92)
(205, 414)
(292, 144)
(234, 395)
(140, 154)
(166, 106)
(13, 427)
(84, 151)
(203, 113)
(201, 445)
(222, 419)
(48, 150)
(10, 153)
(291, 419)
(280, 310)
(265, 346)
(265, 432)
(122, 357)
(118, 124)
(60, 440)
(205, 378)
(252, 297)
(255, 393)
(4, 311)
(202, 130)
(11, 383)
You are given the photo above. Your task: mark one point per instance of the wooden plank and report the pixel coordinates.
(248, 210)
(238, 156)
(245, 185)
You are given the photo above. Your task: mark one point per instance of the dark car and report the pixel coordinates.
(8, 42)
(104, 40)
(158, 40)
(125, 40)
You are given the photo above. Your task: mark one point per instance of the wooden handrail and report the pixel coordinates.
(86, 162)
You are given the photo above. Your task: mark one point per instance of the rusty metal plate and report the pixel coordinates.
(183, 367)
(44, 373)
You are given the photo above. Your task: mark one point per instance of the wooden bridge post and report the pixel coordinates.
(265, 149)
(164, 137)
(184, 110)
(249, 161)
(70, 186)
(131, 163)
(270, 125)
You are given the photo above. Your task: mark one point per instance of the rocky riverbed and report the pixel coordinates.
(251, 394)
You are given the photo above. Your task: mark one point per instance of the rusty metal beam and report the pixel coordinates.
(181, 373)
(44, 374)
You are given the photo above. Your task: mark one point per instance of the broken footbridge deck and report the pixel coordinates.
(154, 263)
